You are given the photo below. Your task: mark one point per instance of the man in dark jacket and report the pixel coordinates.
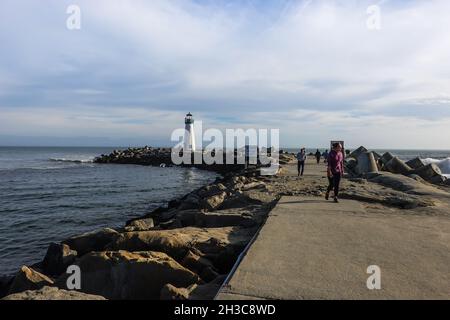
(318, 156)
(335, 171)
(301, 158)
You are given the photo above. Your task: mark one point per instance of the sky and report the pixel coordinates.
(313, 69)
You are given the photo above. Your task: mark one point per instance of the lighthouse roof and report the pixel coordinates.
(189, 115)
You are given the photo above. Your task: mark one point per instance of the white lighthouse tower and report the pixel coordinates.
(189, 139)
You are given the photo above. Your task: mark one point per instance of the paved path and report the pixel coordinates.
(311, 168)
(313, 249)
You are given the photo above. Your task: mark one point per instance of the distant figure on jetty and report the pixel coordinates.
(325, 156)
(301, 157)
(318, 156)
(335, 171)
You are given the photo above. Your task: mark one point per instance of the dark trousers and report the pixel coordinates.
(334, 183)
(301, 167)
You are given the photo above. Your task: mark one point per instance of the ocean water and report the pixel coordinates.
(49, 194)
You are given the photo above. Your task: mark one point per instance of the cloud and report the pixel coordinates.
(137, 64)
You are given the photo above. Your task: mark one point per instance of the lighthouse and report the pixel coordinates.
(189, 139)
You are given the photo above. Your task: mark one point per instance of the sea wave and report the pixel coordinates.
(72, 160)
(443, 164)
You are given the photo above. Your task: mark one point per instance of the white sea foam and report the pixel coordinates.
(73, 160)
(443, 164)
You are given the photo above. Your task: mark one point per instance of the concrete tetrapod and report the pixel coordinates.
(429, 172)
(366, 163)
(415, 163)
(395, 165)
(385, 158)
(355, 154)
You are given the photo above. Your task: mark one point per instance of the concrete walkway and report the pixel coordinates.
(313, 249)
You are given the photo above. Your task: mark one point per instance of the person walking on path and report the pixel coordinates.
(318, 156)
(325, 156)
(301, 158)
(335, 171)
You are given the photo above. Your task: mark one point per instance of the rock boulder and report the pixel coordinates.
(198, 218)
(52, 293)
(121, 275)
(215, 243)
(212, 190)
(141, 225)
(93, 241)
(57, 259)
(213, 202)
(29, 279)
(5, 284)
(194, 292)
(170, 292)
(203, 267)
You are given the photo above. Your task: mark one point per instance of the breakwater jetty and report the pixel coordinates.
(184, 249)
(222, 240)
(310, 248)
(149, 156)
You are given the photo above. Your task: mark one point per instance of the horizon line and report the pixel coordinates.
(142, 146)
